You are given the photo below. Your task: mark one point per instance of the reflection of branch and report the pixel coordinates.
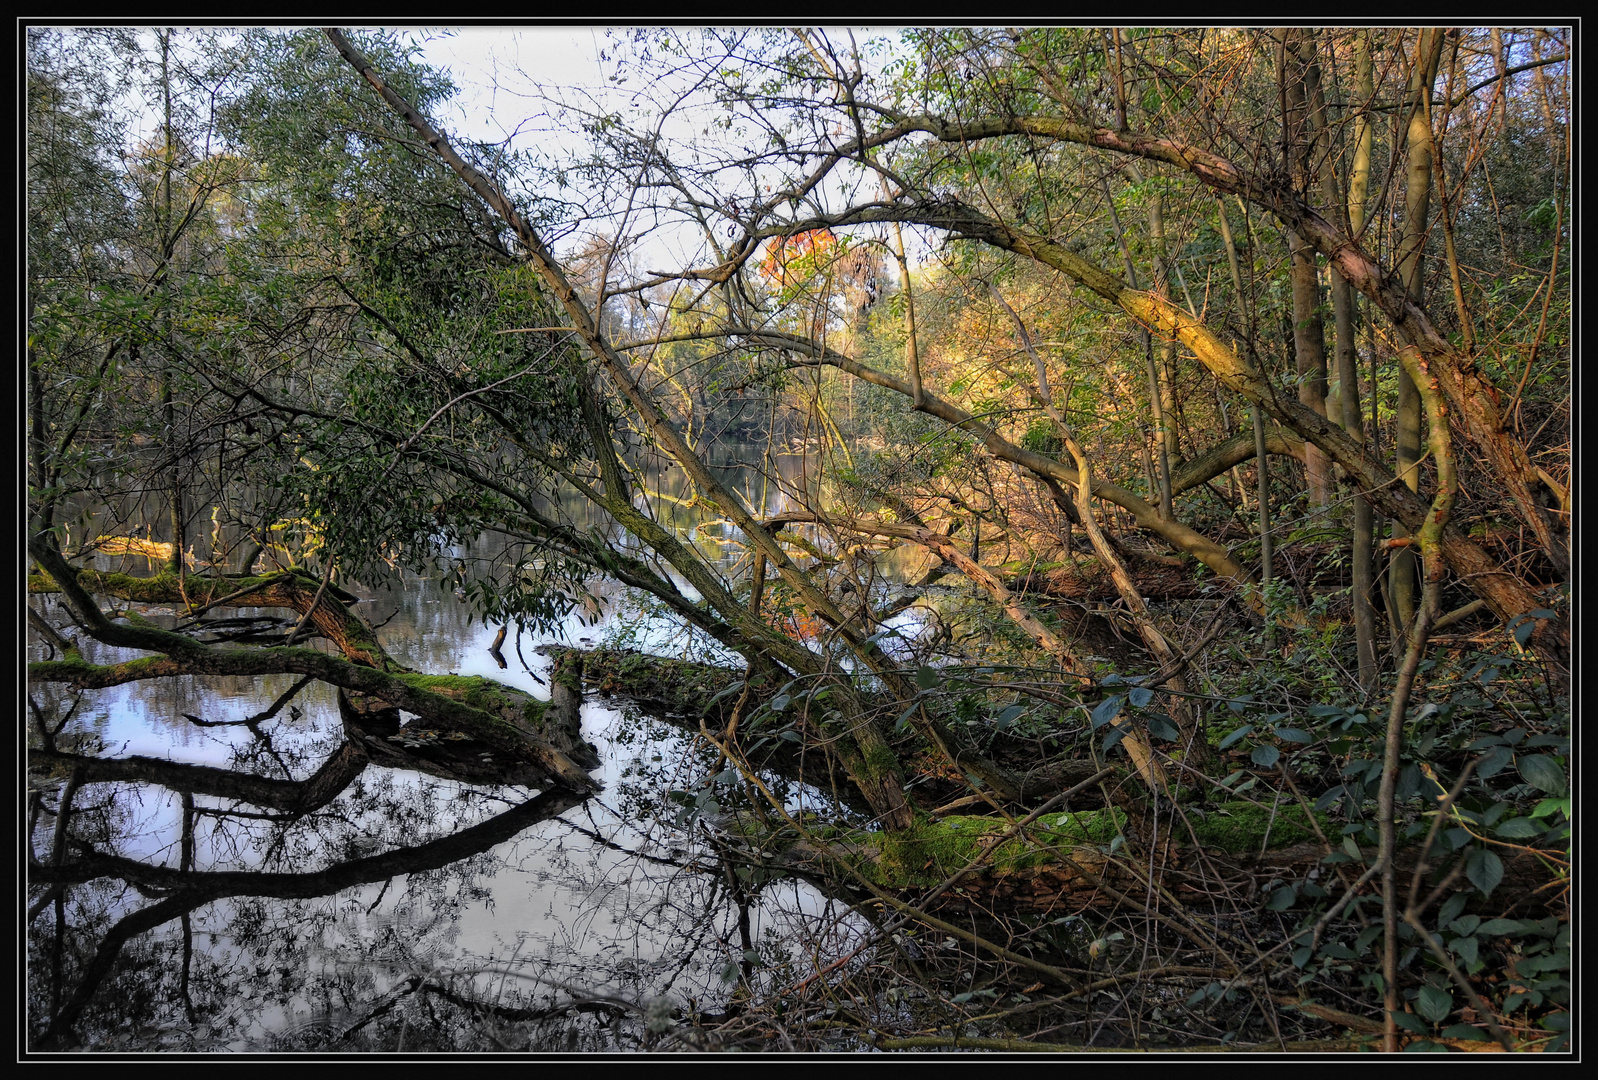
(491, 729)
(53, 636)
(105, 956)
(656, 859)
(290, 796)
(192, 889)
(283, 699)
(603, 1006)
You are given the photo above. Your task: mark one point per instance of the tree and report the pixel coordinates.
(370, 332)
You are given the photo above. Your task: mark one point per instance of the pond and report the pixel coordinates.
(404, 911)
(409, 912)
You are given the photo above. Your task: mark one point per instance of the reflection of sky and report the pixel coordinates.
(551, 904)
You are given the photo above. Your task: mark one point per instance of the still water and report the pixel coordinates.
(409, 912)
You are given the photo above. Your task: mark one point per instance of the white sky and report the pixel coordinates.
(478, 57)
(498, 71)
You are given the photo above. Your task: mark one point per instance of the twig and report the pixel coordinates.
(267, 582)
(327, 576)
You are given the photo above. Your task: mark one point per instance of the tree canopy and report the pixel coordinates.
(1228, 369)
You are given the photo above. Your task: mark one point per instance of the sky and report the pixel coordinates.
(494, 67)
(498, 71)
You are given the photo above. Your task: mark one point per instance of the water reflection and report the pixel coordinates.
(401, 911)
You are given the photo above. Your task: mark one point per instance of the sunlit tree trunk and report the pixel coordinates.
(168, 240)
(1160, 477)
(1160, 376)
(1403, 582)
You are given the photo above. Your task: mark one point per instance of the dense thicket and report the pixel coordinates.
(1228, 369)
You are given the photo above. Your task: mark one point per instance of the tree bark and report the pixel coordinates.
(1301, 133)
(1402, 580)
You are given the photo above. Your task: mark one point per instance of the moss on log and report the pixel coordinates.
(522, 711)
(664, 685)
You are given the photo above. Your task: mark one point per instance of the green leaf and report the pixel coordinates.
(1140, 696)
(780, 703)
(1485, 870)
(1466, 1032)
(1549, 807)
(1410, 1022)
(928, 678)
(1501, 928)
(1467, 949)
(1518, 828)
(1559, 960)
(1161, 728)
(1293, 734)
(1265, 756)
(1008, 716)
(1465, 924)
(1330, 797)
(1542, 772)
(1494, 761)
(1281, 899)
(1408, 783)
(1425, 1046)
(904, 718)
(1451, 909)
(1235, 736)
(1434, 1003)
(1351, 847)
(1107, 710)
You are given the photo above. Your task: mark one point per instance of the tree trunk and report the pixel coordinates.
(1347, 404)
(1309, 356)
(1403, 580)
(1301, 149)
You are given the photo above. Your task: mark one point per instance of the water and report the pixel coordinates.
(410, 912)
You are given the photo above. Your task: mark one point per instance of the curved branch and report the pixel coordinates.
(289, 796)
(1180, 536)
(1471, 396)
(184, 656)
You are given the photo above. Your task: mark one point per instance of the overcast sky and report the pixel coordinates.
(494, 67)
